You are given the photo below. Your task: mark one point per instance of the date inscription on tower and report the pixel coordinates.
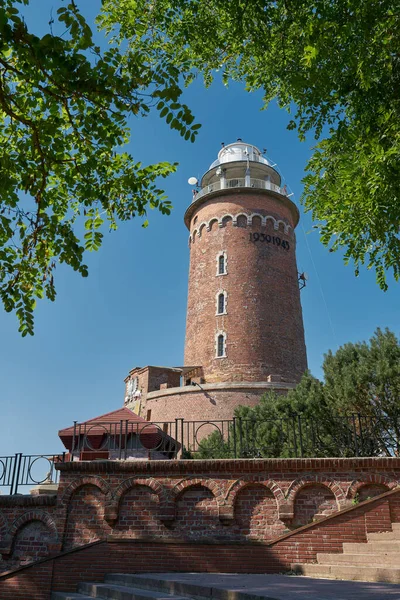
(269, 239)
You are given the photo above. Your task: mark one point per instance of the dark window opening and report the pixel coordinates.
(220, 345)
(148, 415)
(221, 303)
(221, 264)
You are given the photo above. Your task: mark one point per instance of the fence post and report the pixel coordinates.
(120, 439)
(176, 439)
(73, 442)
(353, 417)
(240, 438)
(361, 435)
(182, 438)
(294, 435)
(126, 438)
(15, 475)
(300, 435)
(178, 433)
(234, 438)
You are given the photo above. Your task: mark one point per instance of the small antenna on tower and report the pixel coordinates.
(223, 144)
(264, 151)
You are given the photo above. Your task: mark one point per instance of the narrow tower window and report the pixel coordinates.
(220, 345)
(221, 264)
(221, 303)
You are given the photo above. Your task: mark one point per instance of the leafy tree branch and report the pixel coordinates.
(64, 109)
(335, 65)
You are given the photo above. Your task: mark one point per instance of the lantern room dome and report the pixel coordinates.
(236, 162)
(239, 151)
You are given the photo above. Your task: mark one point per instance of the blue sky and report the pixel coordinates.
(131, 309)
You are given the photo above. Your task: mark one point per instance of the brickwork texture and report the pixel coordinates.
(195, 501)
(92, 562)
(263, 321)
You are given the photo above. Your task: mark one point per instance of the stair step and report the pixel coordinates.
(146, 582)
(396, 526)
(123, 592)
(384, 536)
(69, 596)
(373, 547)
(352, 573)
(389, 559)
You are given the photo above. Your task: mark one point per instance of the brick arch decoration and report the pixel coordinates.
(81, 481)
(240, 484)
(167, 512)
(223, 221)
(277, 223)
(28, 517)
(206, 482)
(371, 478)
(242, 214)
(308, 480)
(202, 225)
(211, 222)
(73, 487)
(34, 515)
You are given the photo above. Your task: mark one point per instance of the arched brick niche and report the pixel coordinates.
(75, 484)
(196, 512)
(367, 486)
(31, 542)
(149, 484)
(369, 490)
(139, 512)
(85, 516)
(31, 536)
(256, 513)
(312, 501)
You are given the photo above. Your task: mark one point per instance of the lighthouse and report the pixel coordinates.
(244, 324)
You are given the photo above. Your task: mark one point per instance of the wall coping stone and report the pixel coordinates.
(222, 386)
(228, 465)
(28, 500)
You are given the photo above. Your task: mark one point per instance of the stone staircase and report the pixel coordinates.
(376, 560)
(135, 587)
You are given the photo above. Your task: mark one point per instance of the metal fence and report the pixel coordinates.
(123, 439)
(291, 437)
(294, 436)
(29, 470)
(239, 182)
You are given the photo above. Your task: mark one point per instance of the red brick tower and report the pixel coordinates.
(244, 318)
(244, 330)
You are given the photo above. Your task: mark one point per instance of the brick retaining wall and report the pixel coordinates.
(92, 562)
(221, 500)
